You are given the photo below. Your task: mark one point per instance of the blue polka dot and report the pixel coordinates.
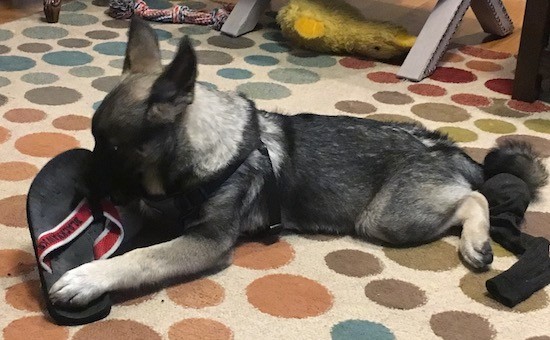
(208, 85)
(360, 329)
(234, 73)
(261, 60)
(311, 60)
(40, 78)
(162, 34)
(67, 58)
(275, 47)
(111, 48)
(5, 34)
(274, 36)
(45, 32)
(15, 63)
(96, 104)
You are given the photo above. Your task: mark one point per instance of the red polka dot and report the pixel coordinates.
(483, 54)
(356, 63)
(453, 75)
(500, 85)
(528, 107)
(383, 77)
(427, 90)
(470, 99)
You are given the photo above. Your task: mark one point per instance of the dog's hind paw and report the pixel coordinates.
(479, 257)
(79, 286)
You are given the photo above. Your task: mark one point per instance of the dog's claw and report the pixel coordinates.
(77, 287)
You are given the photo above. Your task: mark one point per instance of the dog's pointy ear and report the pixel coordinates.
(175, 87)
(142, 51)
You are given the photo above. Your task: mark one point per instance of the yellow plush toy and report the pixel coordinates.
(337, 27)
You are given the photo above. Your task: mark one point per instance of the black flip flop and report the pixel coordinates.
(64, 232)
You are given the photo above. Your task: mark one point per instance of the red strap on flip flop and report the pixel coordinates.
(72, 226)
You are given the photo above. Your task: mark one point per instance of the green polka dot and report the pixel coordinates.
(74, 6)
(495, 126)
(207, 57)
(117, 48)
(67, 58)
(261, 60)
(459, 134)
(275, 47)
(77, 19)
(234, 73)
(311, 60)
(167, 54)
(294, 76)
(195, 29)
(440, 112)
(4, 81)
(87, 71)
(12, 63)
(5, 35)
(261, 90)
(225, 41)
(176, 42)
(117, 63)
(45, 32)
(40, 78)
(274, 36)
(162, 34)
(159, 4)
(539, 125)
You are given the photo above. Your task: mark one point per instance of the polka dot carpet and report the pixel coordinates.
(302, 287)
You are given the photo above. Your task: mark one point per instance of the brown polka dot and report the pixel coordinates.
(14, 262)
(256, 255)
(395, 294)
(25, 115)
(383, 77)
(114, 23)
(540, 145)
(482, 65)
(102, 34)
(356, 63)
(440, 112)
(34, 47)
(483, 53)
(25, 296)
(353, 263)
(12, 211)
(477, 154)
(74, 43)
(385, 117)
(458, 135)
(435, 256)
(320, 237)
(355, 106)
(427, 90)
(4, 49)
(536, 224)
(116, 329)
(453, 75)
(473, 285)
(455, 325)
(542, 337)
(35, 327)
(45, 144)
(197, 294)
(392, 97)
(450, 57)
(289, 296)
(537, 106)
(500, 108)
(5, 134)
(199, 329)
(17, 171)
(105, 84)
(470, 99)
(53, 95)
(72, 122)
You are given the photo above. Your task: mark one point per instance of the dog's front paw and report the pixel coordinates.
(478, 256)
(79, 286)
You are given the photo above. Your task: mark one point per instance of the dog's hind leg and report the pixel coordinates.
(473, 214)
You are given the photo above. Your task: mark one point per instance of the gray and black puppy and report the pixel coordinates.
(160, 132)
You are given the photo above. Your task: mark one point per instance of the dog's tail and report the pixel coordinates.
(519, 159)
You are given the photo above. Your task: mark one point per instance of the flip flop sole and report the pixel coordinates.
(53, 195)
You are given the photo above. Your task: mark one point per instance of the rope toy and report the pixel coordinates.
(178, 14)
